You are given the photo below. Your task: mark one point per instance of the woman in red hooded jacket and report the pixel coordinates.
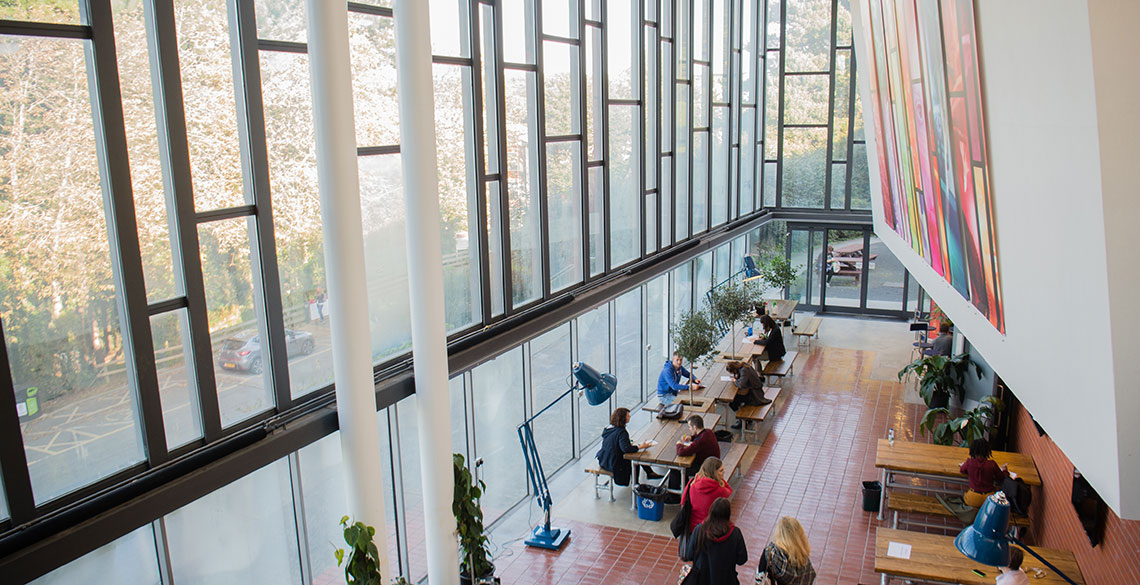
(706, 487)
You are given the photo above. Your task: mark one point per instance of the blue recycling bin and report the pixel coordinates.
(650, 502)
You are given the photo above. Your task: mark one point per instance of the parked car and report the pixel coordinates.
(243, 351)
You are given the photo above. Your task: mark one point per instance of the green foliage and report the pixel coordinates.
(971, 425)
(362, 567)
(778, 272)
(474, 549)
(695, 337)
(731, 302)
(941, 374)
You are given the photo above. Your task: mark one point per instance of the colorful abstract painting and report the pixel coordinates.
(927, 114)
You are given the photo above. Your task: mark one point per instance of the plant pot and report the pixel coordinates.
(939, 400)
(488, 579)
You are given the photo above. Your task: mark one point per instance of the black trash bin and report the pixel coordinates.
(650, 501)
(872, 491)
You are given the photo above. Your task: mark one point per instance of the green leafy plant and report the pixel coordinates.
(695, 338)
(731, 302)
(363, 562)
(940, 376)
(971, 425)
(778, 271)
(473, 544)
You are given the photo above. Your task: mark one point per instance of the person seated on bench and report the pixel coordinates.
(615, 444)
(669, 382)
(1013, 575)
(982, 472)
(701, 443)
(944, 342)
(749, 387)
(773, 339)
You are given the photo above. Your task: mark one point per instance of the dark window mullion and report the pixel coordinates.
(540, 120)
(162, 41)
(122, 227)
(17, 482)
(583, 146)
(827, 177)
(780, 112)
(476, 76)
(851, 88)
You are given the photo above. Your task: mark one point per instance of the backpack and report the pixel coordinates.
(1019, 495)
(671, 412)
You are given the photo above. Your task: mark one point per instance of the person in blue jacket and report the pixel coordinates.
(669, 382)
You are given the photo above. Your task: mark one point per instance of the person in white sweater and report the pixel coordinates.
(1013, 575)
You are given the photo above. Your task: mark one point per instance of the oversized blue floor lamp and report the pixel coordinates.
(598, 388)
(987, 539)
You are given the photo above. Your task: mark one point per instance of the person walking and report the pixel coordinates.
(716, 548)
(787, 559)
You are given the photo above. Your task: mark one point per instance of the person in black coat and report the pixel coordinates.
(716, 548)
(615, 444)
(773, 339)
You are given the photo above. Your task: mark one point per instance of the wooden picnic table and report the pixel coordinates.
(939, 462)
(666, 433)
(933, 557)
(782, 309)
(719, 391)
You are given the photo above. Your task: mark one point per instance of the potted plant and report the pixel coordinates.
(939, 376)
(971, 425)
(362, 564)
(695, 338)
(729, 303)
(475, 567)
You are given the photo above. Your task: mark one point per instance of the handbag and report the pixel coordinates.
(762, 577)
(679, 526)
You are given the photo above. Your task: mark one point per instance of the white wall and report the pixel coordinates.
(1041, 106)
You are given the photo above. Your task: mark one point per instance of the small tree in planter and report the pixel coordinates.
(973, 424)
(695, 338)
(732, 302)
(363, 558)
(939, 376)
(475, 566)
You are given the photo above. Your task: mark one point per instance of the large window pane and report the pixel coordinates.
(594, 349)
(595, 94)
(130, 560)
(280, 20)
(700, 181)
(450, 28)
(498, 401)
(800, 249)
(860, 181)
(650, 118)
(805, 99)
(805, 166)
(682, 158)
(455, 156)
(770, 184)
(549, 377)
(628, 348)
(885, 277)
(748, 158)
(208, 99)
(657, 349)
(518, 15)
(700, 96)
(495, 256)
(385, 254)
(842, 96)
(808, 30)
(564, 200)
(523, 188)
(142, 150)
(666, 194)
(323, 476)
(561, 80)
(771, 106)
(560, 18)
(597, 218)
(372, 44)
(255, 515)
(488, 78)
(838, 185)
(623, 40)
(62, 12)
(682, 295)
(720, 172)
(843, 290)
(57, 297)
(291, 141)
(625, 184)
(181, 412)
(240, 356)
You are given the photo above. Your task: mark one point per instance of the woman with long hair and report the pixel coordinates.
(787, 559)
(773, 340)
(717, 547)
(749, 387)
(708, 485)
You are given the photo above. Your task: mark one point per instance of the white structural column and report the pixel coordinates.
(331, 78)
(425, 281)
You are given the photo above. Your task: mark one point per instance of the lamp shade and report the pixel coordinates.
(750, 270)
(985, 540)
(598, 386)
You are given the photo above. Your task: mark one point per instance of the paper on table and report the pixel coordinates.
(898, 550)
(651, 442)
(726, 378)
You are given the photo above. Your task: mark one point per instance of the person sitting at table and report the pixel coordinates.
(749, 387)
(982, 472)
(700, 443)
(706, 487)
(669, 382)
(615, 444)
(1012, 574)
(717, 547)
(943, 344)
(831, 265)
(773, 340)
(787, 559)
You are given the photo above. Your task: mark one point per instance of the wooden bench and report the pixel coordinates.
(731, 457)
(600, 483)
(756, 414)
(781, 368)
(807, 330)
(698, 406)
(922, 504)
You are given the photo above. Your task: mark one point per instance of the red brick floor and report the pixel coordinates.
(822, 445)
